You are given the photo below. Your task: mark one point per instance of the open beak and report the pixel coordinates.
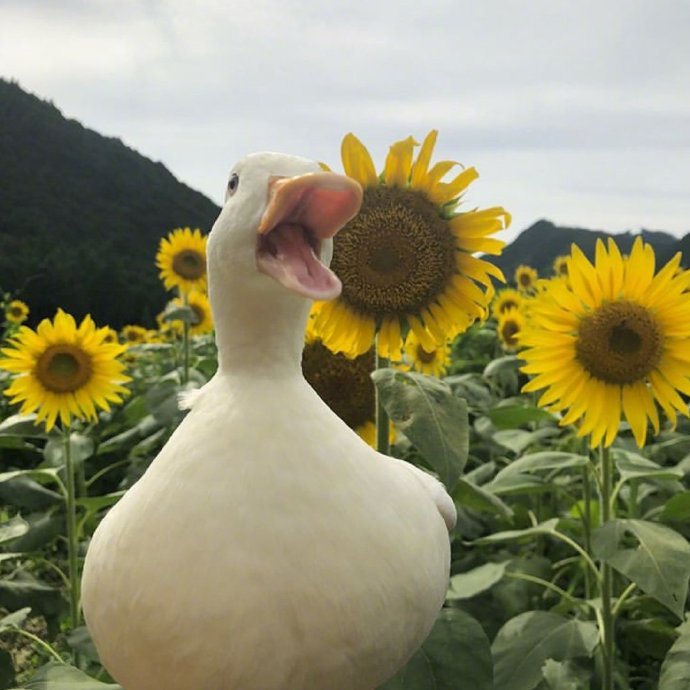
(301, 212)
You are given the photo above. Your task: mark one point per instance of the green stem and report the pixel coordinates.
(577, 603)
(607, 617)
(185, 345)
(587, 525)
(623, 598)
(72, 534)
(382, 420)
(39, 642)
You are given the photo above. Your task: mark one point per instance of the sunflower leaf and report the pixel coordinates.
(675, 671)
(456, 651)
(659, 566)
(62, 677)
(524, 644)
(428, 413)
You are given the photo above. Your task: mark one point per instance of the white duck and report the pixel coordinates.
(267, 547)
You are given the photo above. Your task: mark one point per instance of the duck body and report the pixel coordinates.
(267, 547)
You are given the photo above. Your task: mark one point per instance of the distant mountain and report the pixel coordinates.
(81, 215)
(541, 243)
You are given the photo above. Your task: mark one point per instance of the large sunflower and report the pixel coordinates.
(64, 370)
(407, 260)
(343, 383)
(613, 340)
(181, 259)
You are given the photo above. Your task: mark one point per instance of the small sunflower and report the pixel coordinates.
(201, 307)
(525, 278)
(505, 300)
(560, 266)
(134, 335)
(510, 324)
(343, 383)
(63, 370)
(407, 260)
(430, 362)
(614, 340)
(181, 259)
(110, 335)
(16, 312)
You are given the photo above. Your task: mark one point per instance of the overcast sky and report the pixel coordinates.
(575, 111)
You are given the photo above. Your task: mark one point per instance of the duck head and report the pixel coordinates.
(271, 245)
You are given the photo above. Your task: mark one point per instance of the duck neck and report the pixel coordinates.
(259, 332)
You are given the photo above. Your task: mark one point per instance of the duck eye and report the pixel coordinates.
(233, 184)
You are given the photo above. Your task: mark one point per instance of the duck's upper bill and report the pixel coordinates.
(301, 212)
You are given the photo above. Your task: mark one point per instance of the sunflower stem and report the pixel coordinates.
(587, 525)
(185, 344)
(72, 535)
(382, 420)
(607, 616)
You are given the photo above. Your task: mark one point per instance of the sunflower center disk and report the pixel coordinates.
(189, 264)
(396, 256)
(63, 368)
(424, 356)
(509, 331)
(619, 343)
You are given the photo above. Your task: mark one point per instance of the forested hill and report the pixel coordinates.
(541, 243)
(81, 215)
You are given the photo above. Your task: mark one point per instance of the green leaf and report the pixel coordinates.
(513, 416)
(548, 527)
(500, 365)
(22, 426)
(24, 492)
(473, 582)
(7, 678)
(518, 440)
(659, 566)
(81, 642)
(541, 462)
(677, 508)
(13, 528)
(524, 644)
(62, 677)
(428, 413)
(43, 528)
(675, 671)
(564, 675)
(26, 590)
(455, 655)
(82, 448)
(470, 495)
(14, 619)
(634, 466)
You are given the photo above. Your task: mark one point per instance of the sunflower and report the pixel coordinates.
(201, 308)
(525, 278)
(16, 312)
(430, 362)
(64, 370)
(134, 335)
(181, 259)
(560, 266)
(510, 324)
(343, 383)
(110, 335)
(613, 341)
(407, 260)
(505, 300)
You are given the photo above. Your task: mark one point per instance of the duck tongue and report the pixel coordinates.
(287, 256)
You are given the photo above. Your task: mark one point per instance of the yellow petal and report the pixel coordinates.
(357, 162)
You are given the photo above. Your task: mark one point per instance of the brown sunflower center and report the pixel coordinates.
(425, 357)
(525, 279)
(64, 368)
(509, 331)
(507, 305)
(344, 384)
(198, 314)
(619, 343)
(189, 264)
(16, 311)
(396, 256)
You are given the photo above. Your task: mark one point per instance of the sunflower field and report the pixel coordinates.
(553, 408)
